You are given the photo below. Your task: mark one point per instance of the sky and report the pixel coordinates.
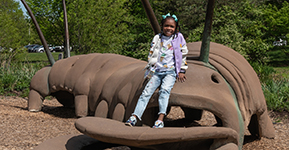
(22, 6)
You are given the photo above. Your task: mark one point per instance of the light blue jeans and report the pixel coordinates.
(167, 80)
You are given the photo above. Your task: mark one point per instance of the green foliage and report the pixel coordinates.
(99, 26)
(278, 56)
(16, 78)
(277, 22)
(137, 50)
(14, 34)
(94, 26)
(264, 72)
(276, 19)
(238, 27)
(13, 26)
(140, 29)
(277, 95)
(49, 16)
(13, 31)
(282, 72)
(191, 14)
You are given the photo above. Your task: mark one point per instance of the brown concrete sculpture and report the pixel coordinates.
(108, 85)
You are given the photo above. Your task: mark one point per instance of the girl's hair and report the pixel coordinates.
(177, 29)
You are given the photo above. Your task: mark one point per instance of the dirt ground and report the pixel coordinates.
(23, 130)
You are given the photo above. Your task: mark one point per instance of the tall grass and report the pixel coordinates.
(15, 78)
(276, 92)
(275, 82)
(17, 72)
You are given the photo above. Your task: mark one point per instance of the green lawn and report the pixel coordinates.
(38, 57)
(282, 71)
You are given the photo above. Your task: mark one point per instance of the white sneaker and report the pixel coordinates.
(131, 121)
(159, 124)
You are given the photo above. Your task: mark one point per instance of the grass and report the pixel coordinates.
(282, 71)
(15, 77)
(37, 57)
(276, 90)
(276, 93)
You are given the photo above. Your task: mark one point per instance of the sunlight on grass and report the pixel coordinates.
(37, 57)
(282, 71)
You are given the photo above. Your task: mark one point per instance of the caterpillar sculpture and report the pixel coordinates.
(108, 86)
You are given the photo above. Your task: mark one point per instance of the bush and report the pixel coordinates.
(15, 78)
(264, 72)
(137, 50)
(277, 94)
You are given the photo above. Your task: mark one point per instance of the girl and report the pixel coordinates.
(166, 62)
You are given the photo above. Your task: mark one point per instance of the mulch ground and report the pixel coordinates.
(22, 130)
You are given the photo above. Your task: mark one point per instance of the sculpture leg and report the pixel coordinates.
(81, 105)
(34, 101)
(266, 126)
(259, 123)
(118, 113)
(101, 109)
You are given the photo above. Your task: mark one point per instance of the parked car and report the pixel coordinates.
(39, 49)
(58, 48)
(50, 47)
(29, 47)
(32, 48)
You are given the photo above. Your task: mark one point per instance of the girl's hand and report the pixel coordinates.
(182, 77)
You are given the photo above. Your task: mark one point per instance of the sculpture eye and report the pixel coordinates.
(214, 78)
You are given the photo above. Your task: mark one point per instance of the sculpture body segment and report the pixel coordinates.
(91, 79)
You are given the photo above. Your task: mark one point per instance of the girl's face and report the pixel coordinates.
(169, 27)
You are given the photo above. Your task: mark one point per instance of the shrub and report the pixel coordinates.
(15, 79)
(277, 94)
(264, 72)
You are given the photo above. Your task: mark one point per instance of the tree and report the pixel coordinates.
(49, 16)
(239, 25)
(244, 29)
(13, 30)
(94, 26)
(190, 13)
(98, 26)
(140, 31)
(276, 19)
(13, 27)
